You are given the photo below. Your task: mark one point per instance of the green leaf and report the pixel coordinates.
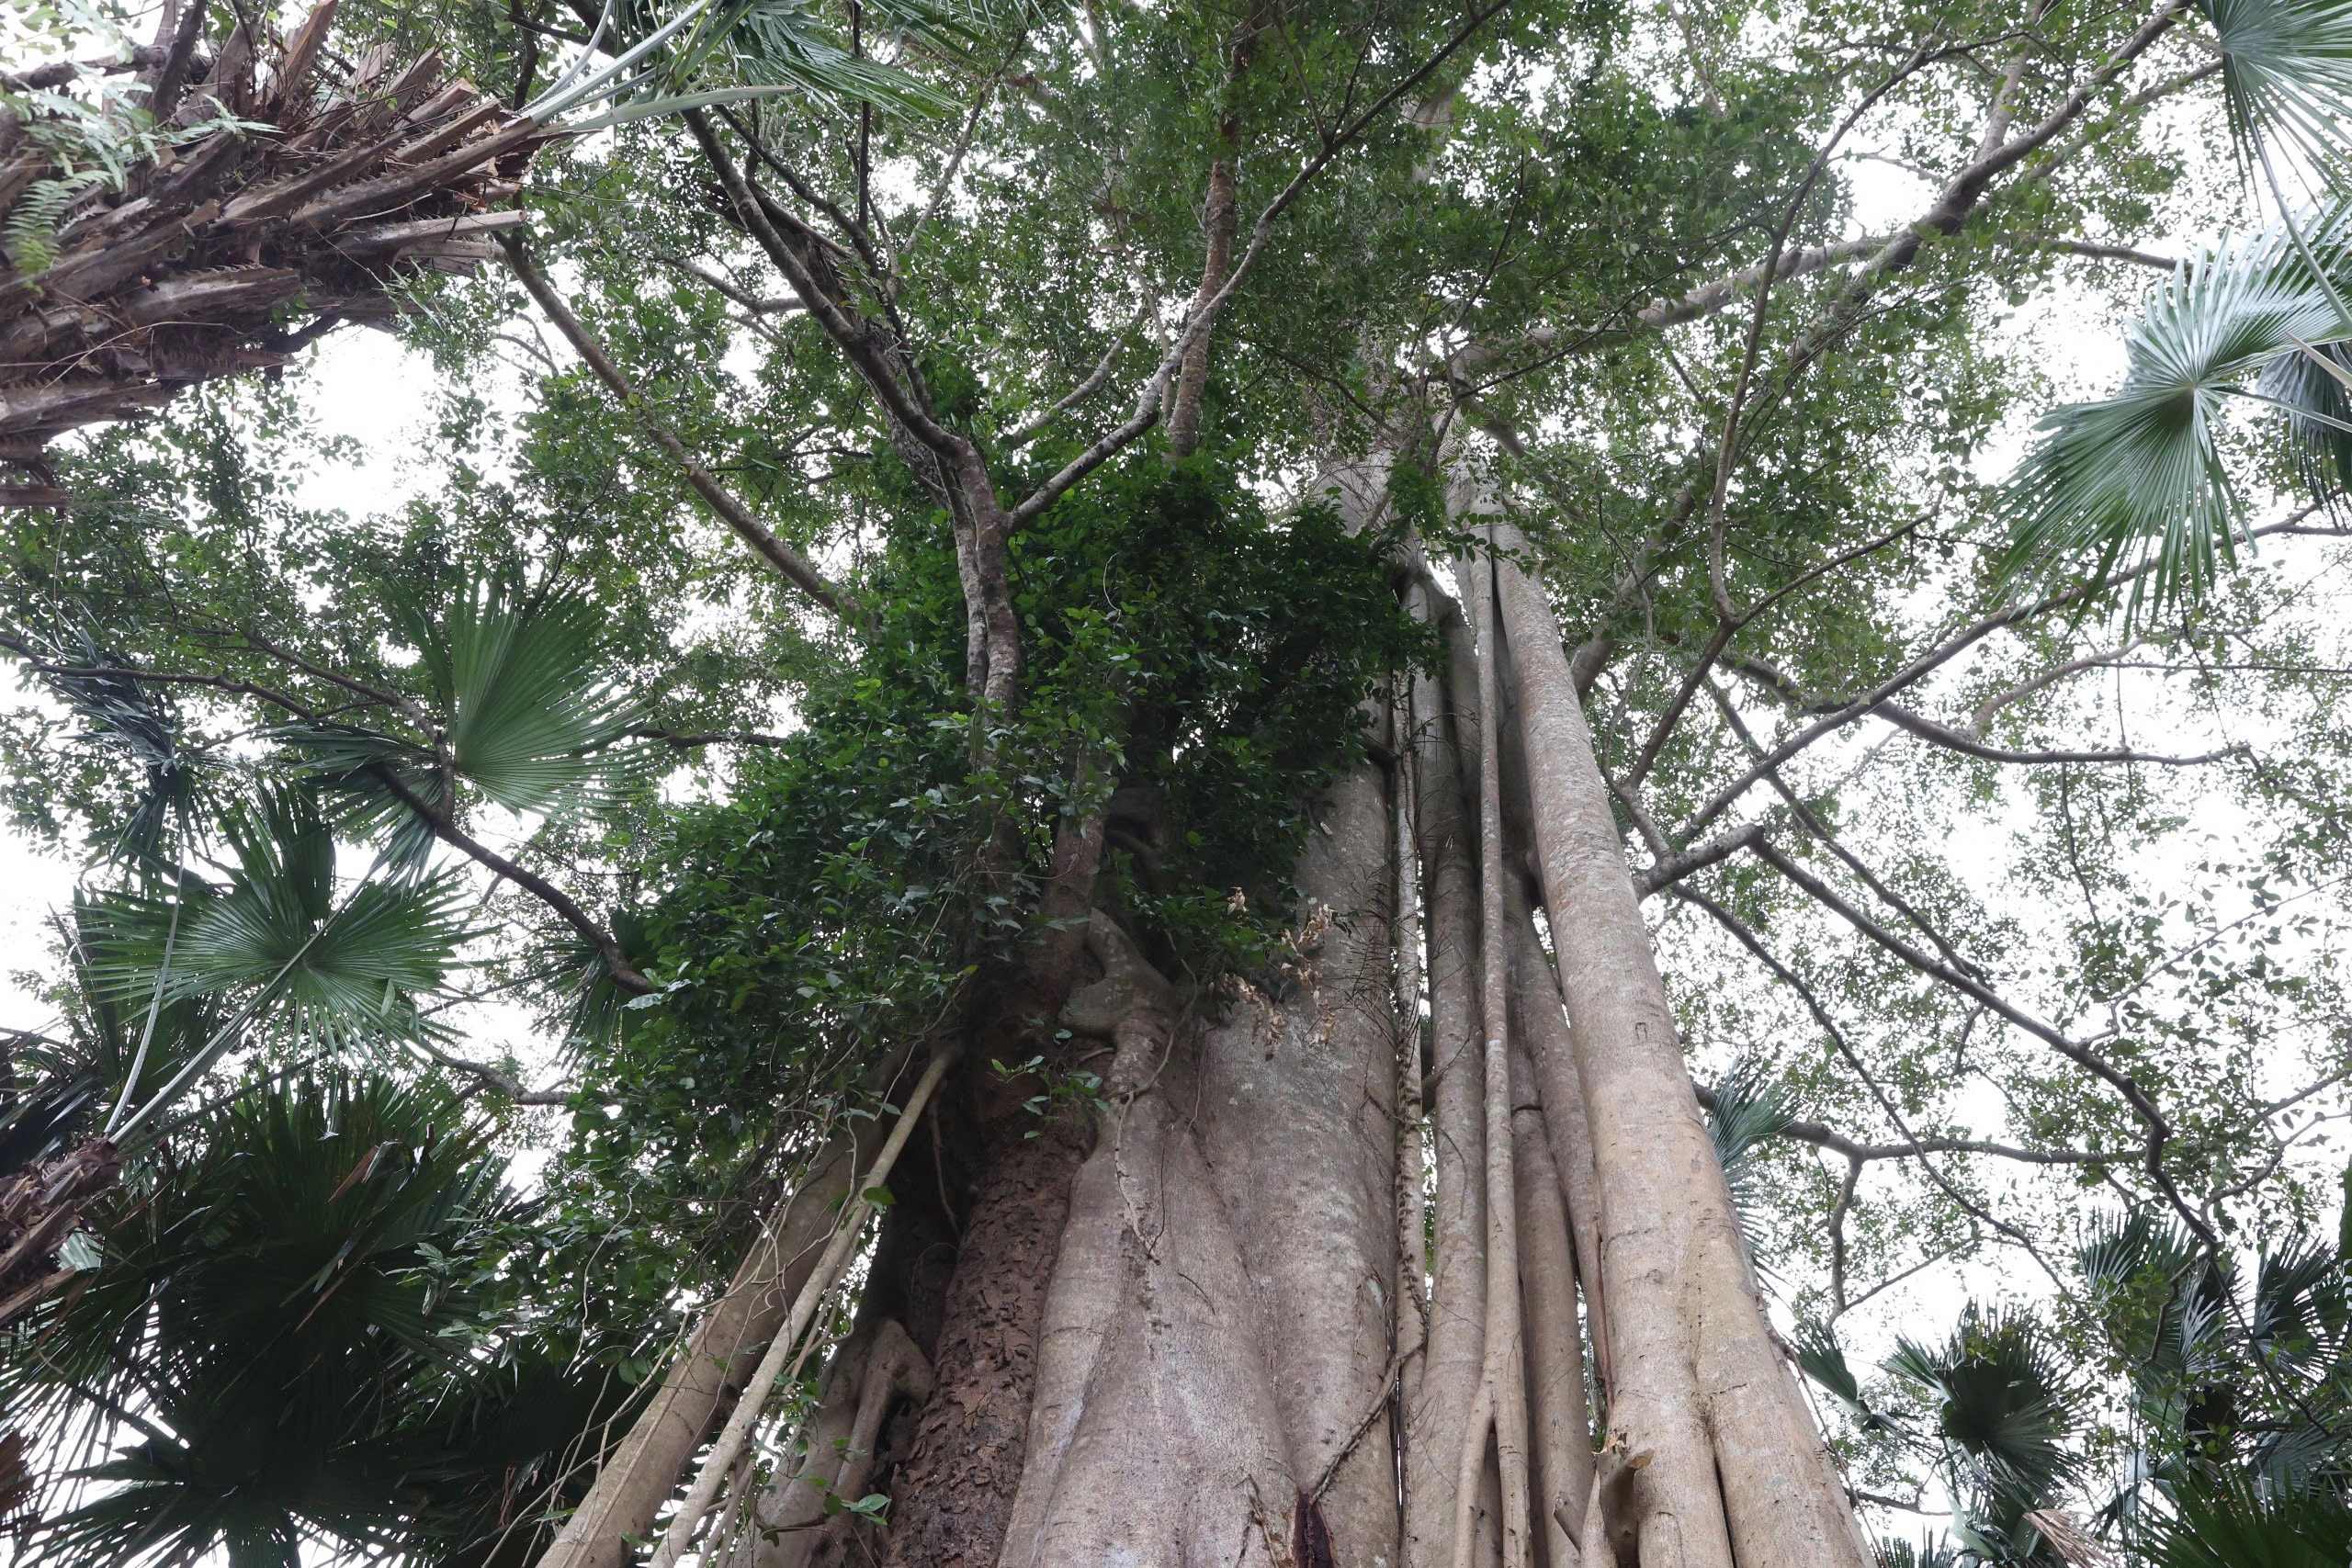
(2134, 488)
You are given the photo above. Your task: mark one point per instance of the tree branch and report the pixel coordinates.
(1929, 662)
(1147, 405)
(2159, 1129)
(771, 550)
(506, 1084)
(1821, 1135)
(1789, 977)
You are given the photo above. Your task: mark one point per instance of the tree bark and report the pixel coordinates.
(1505, 1366)
(1559, 1420)
(1450, 1364)
(1736, 1472)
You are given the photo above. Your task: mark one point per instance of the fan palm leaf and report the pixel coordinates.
(2286, 74)
(1750, 1107)
(518, 706)
(276, 933)
(1998, 1389)
(279, 1302)
(2134, 489)
(2233, 1526)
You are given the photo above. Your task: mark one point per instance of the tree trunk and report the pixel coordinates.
(706, 1378)
(1736, 1472)
(1185, 1329)
(1439, 1406)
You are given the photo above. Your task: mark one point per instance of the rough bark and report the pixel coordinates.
(1156, 1436)
(1734, 1471)
(954, 1495)
(1217, 1341)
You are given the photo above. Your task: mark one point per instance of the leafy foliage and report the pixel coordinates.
(311, 1311)
(2135, 489)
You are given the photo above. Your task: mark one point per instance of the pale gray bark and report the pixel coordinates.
(1559, 1421)
(1505, 1369)
(1295, 1123)
(1155, 1436)
(1734, 1470)
(1217, 1336)
(1543, 1027)
(1410, 1335)
(1452, 1363)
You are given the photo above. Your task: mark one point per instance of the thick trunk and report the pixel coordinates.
(1217, 1339)
(1736, 1472)
(1188, 1331)
(954, 1495)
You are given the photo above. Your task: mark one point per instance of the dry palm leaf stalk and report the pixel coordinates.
(220, 227)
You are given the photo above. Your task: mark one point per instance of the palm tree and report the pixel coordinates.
(219, 213)
(178, 970)
(302, 1330)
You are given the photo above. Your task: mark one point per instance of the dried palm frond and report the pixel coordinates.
(38, 1208)
(163, 239)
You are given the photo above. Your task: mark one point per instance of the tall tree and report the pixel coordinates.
(1190, 919)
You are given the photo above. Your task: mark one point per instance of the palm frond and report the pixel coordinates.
(288, 1304)
(2123, 1250)
(2231, 1526)
(276, 925)
(710, 51)
(2286, 75)
(2133, 489)
(1751, 1107)
(141, 722)
(1823, 1360)
(1998, 1385)
(2283, 1323)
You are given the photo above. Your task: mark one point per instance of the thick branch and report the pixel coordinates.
(1927, 663)
(1945, 735)
(506, 1083)
(1671, 869)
